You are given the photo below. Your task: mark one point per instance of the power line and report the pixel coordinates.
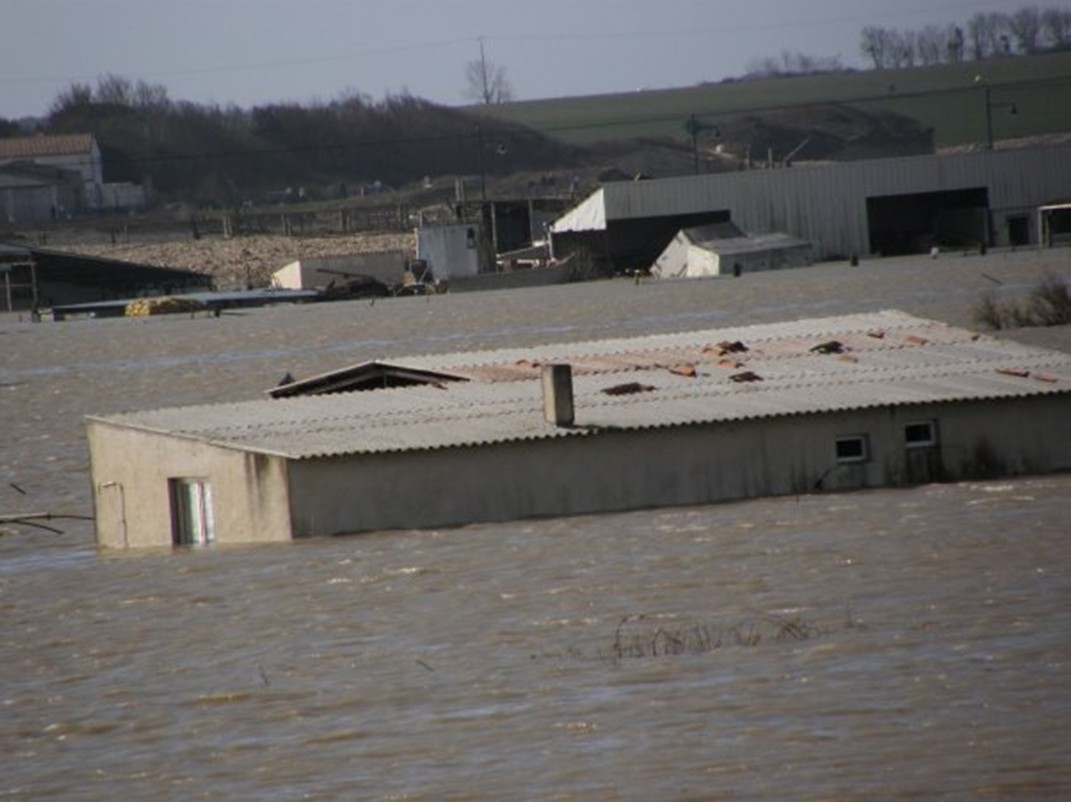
(558, 36)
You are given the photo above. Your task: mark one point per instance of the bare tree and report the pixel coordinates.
(793, 64)
(999, 34)
(878, 45)
(955, 44)
(486, 82)
(978, 33)
(114, 90)
(931, 45)
(989, 35)
(1025, 25)
(905, 48)
(75, 95)
(1057, 24)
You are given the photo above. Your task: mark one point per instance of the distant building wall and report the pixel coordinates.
(26, 203)
(677, 466)
(450, 251)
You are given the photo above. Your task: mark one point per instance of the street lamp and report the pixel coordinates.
(989, 106)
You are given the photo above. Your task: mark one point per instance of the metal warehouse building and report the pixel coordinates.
(828, 404)
(887, 206)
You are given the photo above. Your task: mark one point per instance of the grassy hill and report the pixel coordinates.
(946, 98)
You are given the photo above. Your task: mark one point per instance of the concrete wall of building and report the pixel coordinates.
(621, 470)
(27, 204)
(450, 251)
(130, 472)
(261, 498)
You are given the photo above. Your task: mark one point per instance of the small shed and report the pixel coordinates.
(452, 251)
(321, 272)
(869, 400)
(721, 249)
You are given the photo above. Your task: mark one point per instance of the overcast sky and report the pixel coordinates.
(252, 52)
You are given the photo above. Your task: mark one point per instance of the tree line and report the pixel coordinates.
(1026, 31)
(333, 149)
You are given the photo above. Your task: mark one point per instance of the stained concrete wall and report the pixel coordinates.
(130, 472)
(621, 470)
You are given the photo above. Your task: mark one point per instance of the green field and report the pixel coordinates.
(948, 98)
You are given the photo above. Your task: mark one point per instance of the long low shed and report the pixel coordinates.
(698, 417)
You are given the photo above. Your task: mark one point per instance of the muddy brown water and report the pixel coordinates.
(888, 644)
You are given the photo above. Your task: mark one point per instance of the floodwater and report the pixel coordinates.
(893, 644)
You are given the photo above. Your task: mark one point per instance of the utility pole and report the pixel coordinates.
(989, 106)
(483, 168)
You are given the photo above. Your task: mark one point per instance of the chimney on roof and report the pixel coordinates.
(558, 394)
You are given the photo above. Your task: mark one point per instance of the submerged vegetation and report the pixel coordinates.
(638, 637)
(1048, 304)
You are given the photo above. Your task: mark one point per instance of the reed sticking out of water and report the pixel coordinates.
(634, 638)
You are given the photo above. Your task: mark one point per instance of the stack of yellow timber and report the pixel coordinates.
(162, 306)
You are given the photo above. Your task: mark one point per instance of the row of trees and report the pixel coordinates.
(986, 35)
(793, 63)
(230, 154)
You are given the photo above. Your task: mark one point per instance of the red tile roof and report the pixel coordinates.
(34, 146)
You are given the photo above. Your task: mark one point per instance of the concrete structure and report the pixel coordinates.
(77, 153)
(839, 403)
(60, 162)
(887, 206)
(32, 195)
(713, 250)
(323, 271)
(453, 251)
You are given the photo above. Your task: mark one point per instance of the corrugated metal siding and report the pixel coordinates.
(913, 361)
(826, 204)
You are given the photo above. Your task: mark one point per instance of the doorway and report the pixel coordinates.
(192, 519)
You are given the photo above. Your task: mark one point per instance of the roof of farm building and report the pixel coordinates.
(697, 377)
(39, 146)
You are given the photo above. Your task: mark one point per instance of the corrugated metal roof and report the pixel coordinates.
(743, 373)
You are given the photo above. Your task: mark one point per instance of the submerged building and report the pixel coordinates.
(839, 403)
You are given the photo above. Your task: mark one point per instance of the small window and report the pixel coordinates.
(192, 522)
(920, 434)
(853, 448)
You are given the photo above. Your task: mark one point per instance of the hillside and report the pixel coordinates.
(949, 99)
